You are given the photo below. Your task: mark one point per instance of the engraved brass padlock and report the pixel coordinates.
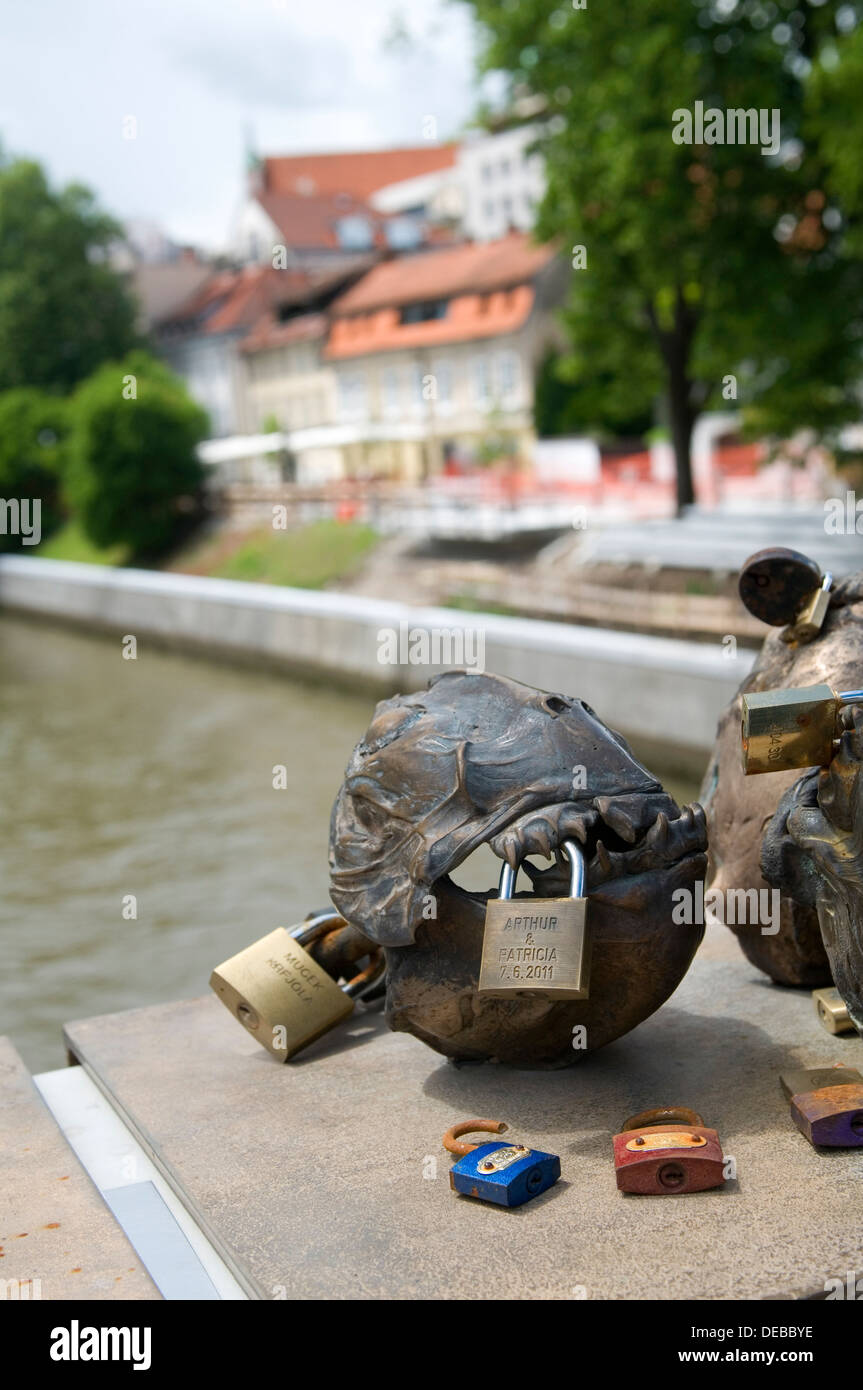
(827, 1105)
(279, 992)
(537, 946)
(832, 1011)
(666, 1152)
(784, 729)
(507, 1174)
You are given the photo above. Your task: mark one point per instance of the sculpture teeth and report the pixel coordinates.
(602, 857)
(579, 826)
(618, 818)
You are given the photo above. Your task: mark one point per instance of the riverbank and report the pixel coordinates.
(657, 690)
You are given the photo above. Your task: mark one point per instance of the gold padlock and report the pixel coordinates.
(810, 619)
(784, 729)
(537, 946)
(279, 992)
(832, 1011)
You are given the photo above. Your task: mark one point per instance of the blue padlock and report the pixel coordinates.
(507, 1174)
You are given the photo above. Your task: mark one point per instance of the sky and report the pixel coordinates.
(199, 77)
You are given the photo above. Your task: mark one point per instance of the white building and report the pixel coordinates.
(502, 181)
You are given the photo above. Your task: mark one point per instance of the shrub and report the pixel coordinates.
(134, 475)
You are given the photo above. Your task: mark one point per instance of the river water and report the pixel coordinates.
(153, 779)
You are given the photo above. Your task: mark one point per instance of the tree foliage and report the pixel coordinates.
(706, 260)
(33, 446)
(63, 309)
(134, 475)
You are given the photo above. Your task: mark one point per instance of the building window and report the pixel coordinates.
(355, 233)
(392, 394)
(403, 233)
(352, 396)
(418, 393)
(487, 173)
(505, 167)
(508, 375)
(482, 380)
(424, 311)
(442, 373)
(488, 209)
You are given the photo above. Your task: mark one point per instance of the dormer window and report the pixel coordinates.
(355, 233)
(425, 311)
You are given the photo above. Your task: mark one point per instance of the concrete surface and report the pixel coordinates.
(58, 1240)
(723, 538)
(315, 1179)
(647, 687)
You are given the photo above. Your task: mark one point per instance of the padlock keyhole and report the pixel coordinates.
(247, 1016)
(671, 1175)
(857, 1123)
(534, 1180)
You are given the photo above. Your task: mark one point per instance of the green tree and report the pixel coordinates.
(134, 475)
(715, 272)
(571, 402)
(33, 437)
(63, 309)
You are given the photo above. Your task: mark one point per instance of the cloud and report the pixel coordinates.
(272, 65)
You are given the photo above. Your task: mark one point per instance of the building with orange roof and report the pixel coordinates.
(319, 207)
(424, 360)
(201, 337)
(436, 354)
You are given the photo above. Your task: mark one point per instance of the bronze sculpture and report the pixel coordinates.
(482, 759)
(801, 834)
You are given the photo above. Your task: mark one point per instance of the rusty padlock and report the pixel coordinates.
(827, 1105)
(666, 1152)
(786, 589)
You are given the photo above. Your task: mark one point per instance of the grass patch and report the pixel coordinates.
(467, 603)
(309, 558)
(70, 543)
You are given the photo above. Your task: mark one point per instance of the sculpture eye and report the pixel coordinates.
(368, 813)
(555, 705)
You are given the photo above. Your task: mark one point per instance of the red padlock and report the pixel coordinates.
(667, 1151)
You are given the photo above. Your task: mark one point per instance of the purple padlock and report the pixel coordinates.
(827, 1105)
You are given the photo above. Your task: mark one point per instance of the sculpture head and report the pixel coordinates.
(480, 759)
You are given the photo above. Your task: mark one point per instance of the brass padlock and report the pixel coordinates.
(279, 992)
(832, 1011)
(538, 946)
(784, 729)
(810, 619)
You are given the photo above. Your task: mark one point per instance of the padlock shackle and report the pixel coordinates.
(664, 1115)
(851, 697)
(317, 925)
(578, 874)
(451, 1138)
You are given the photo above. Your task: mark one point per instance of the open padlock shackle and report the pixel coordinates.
(451, 1139)
(573, 853)
(317, 925)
